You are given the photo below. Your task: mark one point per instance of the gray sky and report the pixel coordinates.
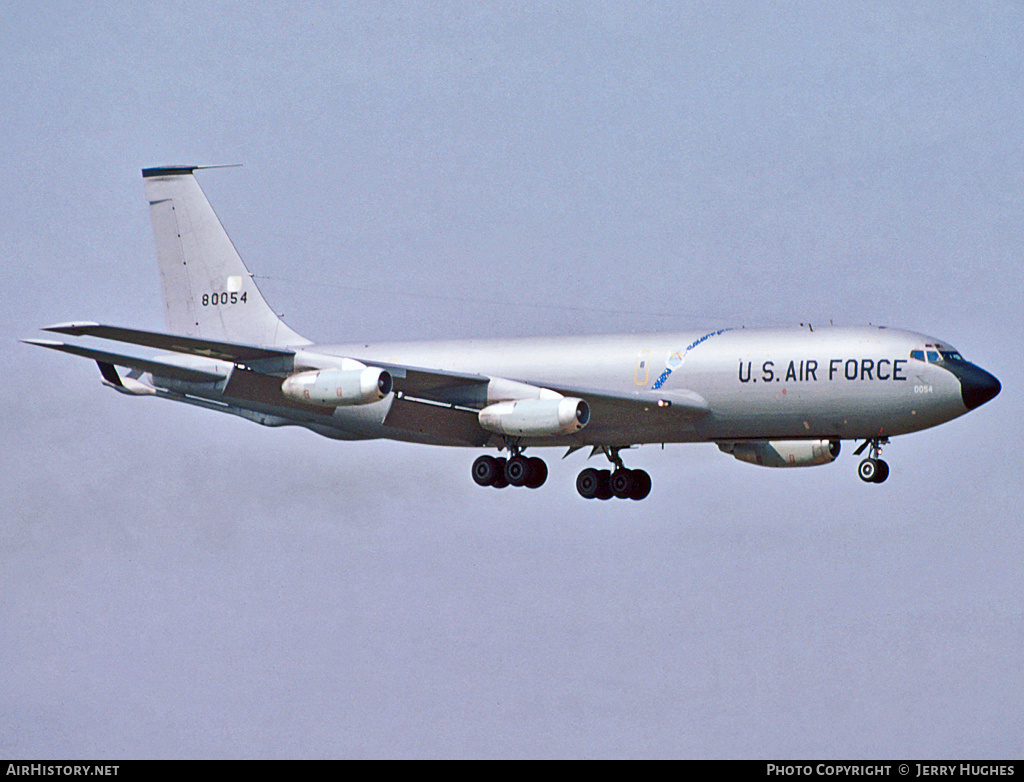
(176, 583)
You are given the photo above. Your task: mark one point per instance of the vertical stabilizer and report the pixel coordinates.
(208, 292)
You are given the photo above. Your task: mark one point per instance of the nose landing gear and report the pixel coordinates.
(873, 469)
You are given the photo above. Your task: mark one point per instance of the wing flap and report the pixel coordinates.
(436, 423)
(266, 390)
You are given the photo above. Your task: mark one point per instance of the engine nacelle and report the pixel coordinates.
(339, 387)
(783, 453)
(536, 417)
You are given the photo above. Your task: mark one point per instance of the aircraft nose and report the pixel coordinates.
(977, 386)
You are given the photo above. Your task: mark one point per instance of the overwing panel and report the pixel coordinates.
(677, 405)
(436, 385)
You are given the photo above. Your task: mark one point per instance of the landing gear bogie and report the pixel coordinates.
(621, 484)
(515, 471)
(518, 470)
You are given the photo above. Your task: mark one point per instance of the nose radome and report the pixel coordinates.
(977, 387)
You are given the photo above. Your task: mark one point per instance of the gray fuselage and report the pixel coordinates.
(831, 382)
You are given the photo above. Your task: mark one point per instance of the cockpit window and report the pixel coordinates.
(936, 356)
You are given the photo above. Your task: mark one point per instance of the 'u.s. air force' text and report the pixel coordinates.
(808, 370)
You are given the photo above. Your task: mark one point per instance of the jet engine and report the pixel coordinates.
(339, 387)
(536, 417)
(783, 453)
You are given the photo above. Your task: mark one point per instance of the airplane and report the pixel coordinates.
(775, 397)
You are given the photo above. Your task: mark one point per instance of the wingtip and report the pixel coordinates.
(74, 328)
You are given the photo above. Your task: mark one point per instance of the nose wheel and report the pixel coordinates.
(873, 469)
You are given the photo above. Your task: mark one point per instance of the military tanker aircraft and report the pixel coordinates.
(771, 397)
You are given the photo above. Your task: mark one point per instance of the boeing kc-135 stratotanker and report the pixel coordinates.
(772, 397)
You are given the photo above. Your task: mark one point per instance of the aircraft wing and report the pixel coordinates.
(158, 368)
(248, 355)
(445, 405)
(436, 404)
(456, 388)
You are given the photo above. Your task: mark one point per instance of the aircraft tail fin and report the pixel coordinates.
(208, 292)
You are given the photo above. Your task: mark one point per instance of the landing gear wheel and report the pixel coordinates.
(869, 470)
(882, 472)
(604, 485)
(500, 481)
(517, 470)
(537, 474)
(621, 483)
(587, 483)
(641, 485)
(485, 470)
(873, 469)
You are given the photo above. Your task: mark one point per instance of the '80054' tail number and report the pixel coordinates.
(216, 299)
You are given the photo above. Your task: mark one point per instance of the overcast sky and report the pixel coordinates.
(178, 583)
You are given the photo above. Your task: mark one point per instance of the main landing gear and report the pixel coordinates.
(517, 470)
(605, 484)
(873, 469)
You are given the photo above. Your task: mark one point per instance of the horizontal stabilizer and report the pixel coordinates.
(225, 351)
(181, 170)
(157, 368)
